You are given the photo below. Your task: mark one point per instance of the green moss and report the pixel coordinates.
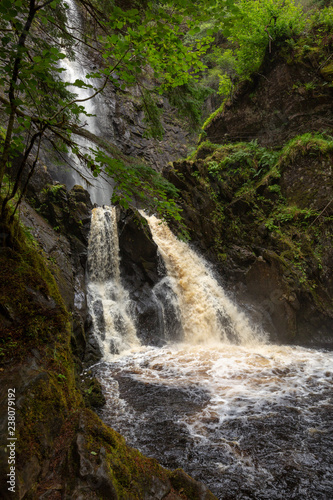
(243, 183)
(205, 148)
(30, 300)
(34, 317)
(327, 72)
(50, 400)
(306, 144)
(216, 113)
(131, 473)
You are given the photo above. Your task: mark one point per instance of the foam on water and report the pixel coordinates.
(250, 419)
(239, 379)
(235, 417)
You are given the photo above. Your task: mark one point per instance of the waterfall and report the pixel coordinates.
(108, 301)
(207, 314)
(100, 189)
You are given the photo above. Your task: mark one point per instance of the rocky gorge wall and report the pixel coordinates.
(273, 253)
(257, 194)
(291, 94)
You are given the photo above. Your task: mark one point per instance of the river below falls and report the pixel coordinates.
(250, 422)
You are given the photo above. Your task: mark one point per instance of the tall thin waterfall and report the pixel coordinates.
(207, 314)
(100, 189)
(108, 301)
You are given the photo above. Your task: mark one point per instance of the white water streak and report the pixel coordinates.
(108, 301)
(100, 189)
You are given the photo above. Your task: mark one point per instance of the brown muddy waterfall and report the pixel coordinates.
(250, 419)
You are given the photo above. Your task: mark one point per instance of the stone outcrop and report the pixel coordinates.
(142, 271)
(64, 240)
(123, 124)
(288, 96)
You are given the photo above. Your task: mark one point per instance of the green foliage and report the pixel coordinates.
(222, 70)
(248, 160)
(131, 42)
(189, 99)
(287, 213)
(323, 18)
(259, 27)
(154, 38)
(263, 24)
(141, 184)
(225, 86)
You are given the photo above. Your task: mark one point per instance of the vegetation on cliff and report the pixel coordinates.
(244, 202)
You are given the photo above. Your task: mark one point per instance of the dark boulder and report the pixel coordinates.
(141, 269)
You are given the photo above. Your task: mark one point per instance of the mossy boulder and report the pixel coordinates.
(92, 461)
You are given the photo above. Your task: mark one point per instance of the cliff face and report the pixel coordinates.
(264, 217)
(268, 230)
(290, 95)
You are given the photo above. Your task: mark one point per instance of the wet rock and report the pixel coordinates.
(96, 479)
(141, 269)
(137, 245)
(66, 248)
(125, 126)
(93, 351)
(193, 489)
(308, 182)
(265, 284)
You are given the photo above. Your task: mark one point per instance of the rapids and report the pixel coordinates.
(251, 422)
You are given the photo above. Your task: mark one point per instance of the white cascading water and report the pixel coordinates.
(108, 301)
(207, 314)
(100, 189)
